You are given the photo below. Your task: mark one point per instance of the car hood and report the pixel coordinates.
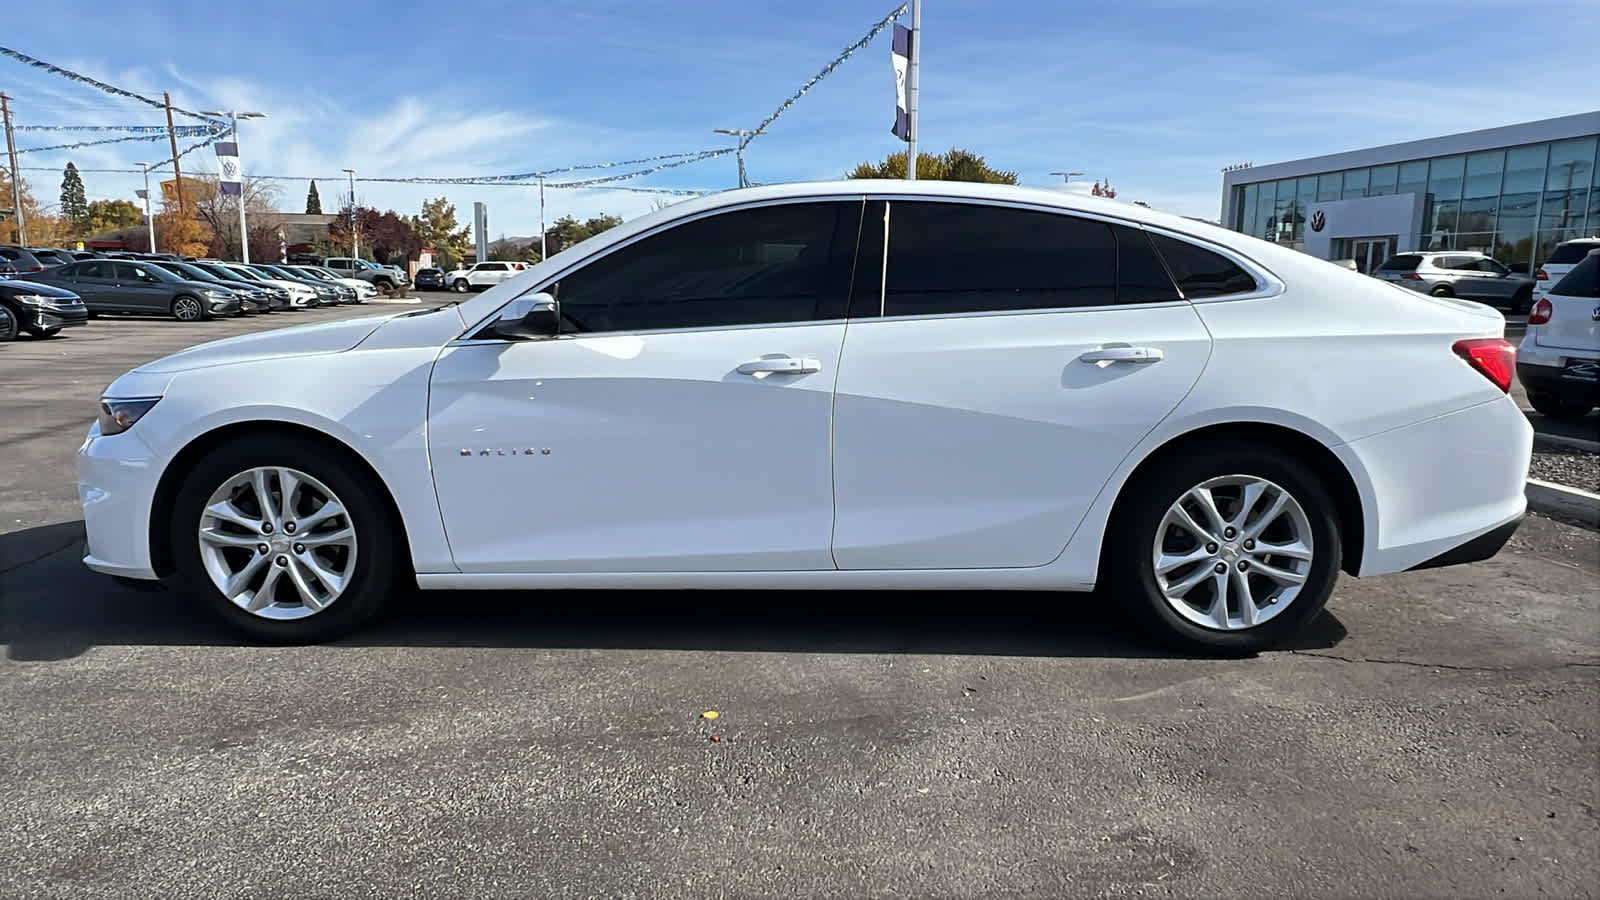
(203, 286)
(20, 286)
(297, 340)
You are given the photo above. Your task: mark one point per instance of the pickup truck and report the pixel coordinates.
(483, 275)
(384, 278)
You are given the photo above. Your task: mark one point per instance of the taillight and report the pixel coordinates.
(1540, 313)
(1541, 275)
(36, 269)
(1411, 276)
(1494, 357)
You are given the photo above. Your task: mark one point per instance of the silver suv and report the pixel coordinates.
(1460, 273)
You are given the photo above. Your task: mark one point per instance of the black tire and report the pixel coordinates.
(1556, 408)
(1443, 290)
(187, 308)
(1128, 564)
(383, 284)
(460, 286)
(1522, 302)
(379, 553)
(10, 324)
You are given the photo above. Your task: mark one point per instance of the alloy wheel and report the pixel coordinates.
(1233, 552)
(277, 543)
(187, 309)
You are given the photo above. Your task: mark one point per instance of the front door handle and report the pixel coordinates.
(1123, 354)
(783, 365)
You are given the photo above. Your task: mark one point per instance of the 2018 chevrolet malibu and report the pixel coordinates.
(882, 385)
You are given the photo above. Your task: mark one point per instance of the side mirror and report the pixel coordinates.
(534, 317)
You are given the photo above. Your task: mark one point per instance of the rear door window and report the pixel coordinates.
(1405, 262)
(1582, 281)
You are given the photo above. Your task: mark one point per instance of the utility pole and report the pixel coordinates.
(913, 79)
(738, 151)
(149, 222)
(177, 173)
(542, 253)
(355, 240)
(16, 177)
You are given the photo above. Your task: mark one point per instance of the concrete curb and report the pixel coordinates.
(1559, 501)
(1563, 442)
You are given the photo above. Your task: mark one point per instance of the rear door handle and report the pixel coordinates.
(783, 365)
(1123, 354)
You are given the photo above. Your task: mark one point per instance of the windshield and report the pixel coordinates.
(313, 273)
(185, 270)
(232, 272)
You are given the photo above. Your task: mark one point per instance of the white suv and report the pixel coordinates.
(483, 275)
(1559, 359)
(1460, 273)
(1566, 255)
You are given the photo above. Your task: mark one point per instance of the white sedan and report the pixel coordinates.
(849, 385)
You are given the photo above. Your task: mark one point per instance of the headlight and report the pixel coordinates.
(34, 300)
(117, 416)
(218, 293)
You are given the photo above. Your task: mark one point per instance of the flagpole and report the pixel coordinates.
(244, 233)
(912, 77)
(149, 222)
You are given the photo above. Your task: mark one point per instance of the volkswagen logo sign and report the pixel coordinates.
(1318, 221)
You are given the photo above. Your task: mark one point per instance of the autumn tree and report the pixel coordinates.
(437, 228)
(8, 221)
(387, 237)
(111, 215)
(313, 200)
(953, 165)
(219, 213)
(74, 205)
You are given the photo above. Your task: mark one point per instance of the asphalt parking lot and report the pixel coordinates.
(1436, 734)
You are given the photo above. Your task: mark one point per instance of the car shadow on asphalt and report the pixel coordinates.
(52, 608)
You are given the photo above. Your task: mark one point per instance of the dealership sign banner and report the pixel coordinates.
(901, 55)
(228, 168)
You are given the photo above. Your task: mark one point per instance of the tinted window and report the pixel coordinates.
(956, 257)
(1200, 272)
(92, 270)
(139, 272)
(1141, 276)
(1582, 281)
(1567, 254)
(1405, 262)
(774, 264)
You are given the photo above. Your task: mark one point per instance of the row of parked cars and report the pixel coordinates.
(44, 291)
(1474, 276)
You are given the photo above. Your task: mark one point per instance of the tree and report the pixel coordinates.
(513, 251)
(568, 231)
(30, 212)
(74, 205)
(111, 215)
(953, 165)
(219, 213)
(313, 200)
(437, 228)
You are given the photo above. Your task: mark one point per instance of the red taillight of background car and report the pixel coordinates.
(1494, 357)
(1411, 276)
(36, 268)
(1541, 275)
(1540, 313)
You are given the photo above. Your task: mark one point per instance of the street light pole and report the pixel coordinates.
(149, 222)
(355, 239)
(1066, 177)
(738, 150)
(234, 116)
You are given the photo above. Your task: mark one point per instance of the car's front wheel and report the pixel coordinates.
(460, 286)
(285, 540)
(1229, 548)
(10, 324)
(187, 309)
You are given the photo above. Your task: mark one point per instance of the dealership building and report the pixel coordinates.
(1512, 192)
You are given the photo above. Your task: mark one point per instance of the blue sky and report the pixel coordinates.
(1154, 95)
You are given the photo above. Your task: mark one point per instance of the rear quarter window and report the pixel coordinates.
(1405, 262)
(1199, 272)
(1582, 281)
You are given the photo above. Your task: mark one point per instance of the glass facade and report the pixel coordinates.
(1514, 204)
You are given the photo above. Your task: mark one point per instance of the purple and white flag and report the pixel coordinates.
(229, 177)
(901, 55)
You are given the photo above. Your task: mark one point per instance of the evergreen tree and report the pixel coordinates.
(74, 205)
(313, 200)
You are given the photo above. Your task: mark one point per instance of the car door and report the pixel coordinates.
(1013, 360)
(681, 420)
(140, 289)
(92, 280)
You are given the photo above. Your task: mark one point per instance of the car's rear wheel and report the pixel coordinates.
(1557, 408)
(10, 324)
(283, 540)
(1443, 290)
(1229, 548)
(187, 309)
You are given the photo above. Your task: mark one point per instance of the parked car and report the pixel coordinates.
(51, 256)
(281, 297)
(430, 279)
(21, 259)
(1565, 255)
(301, 295)
(1458, 273)
(329, 293)
(130, 286)
(482, 276)
(363, 290)
(1558, 360)
(87, 254)
(751, 390)
(384, 278)
(41, 310)
(7, 268)
(254, 297)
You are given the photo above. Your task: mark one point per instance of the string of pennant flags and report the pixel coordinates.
(179, 130)
(484, 183)
(25, 59)
(80, 144)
